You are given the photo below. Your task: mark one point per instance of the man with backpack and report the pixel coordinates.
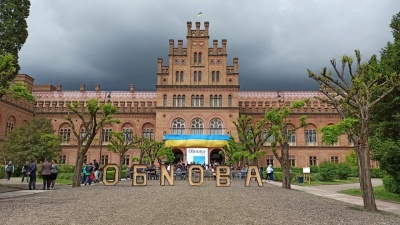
(88, 172)
(9, 170)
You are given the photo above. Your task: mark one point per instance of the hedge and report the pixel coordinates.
(2, 172)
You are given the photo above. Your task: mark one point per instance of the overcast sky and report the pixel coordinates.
(115, 43)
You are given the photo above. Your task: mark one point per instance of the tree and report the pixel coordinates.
(13, 29)
(251, 137)
(120, 143)
(92, 118)
(385, 118)
(280, 128)
(353, 97)
(155, 150)
(34, 139)
(13, 34)
(233, 152)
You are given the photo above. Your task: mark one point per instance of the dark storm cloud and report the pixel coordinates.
(117, 43)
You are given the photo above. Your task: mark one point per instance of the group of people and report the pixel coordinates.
(49, 172)
(91, 172)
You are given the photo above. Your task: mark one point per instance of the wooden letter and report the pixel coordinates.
(116, 176)
(136, 175)
(250, 174)
(198, 172)
(169, 176)
(223, 174)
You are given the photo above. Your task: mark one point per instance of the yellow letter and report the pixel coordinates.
(164, 174)
(136, 175)
(116, 177)
(223, 176)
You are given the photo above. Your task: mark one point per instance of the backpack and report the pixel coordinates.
(89, 168)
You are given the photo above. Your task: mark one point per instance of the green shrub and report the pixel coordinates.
(65, 176)
(315, 176)
(377, 173)
(391, 184)
(314, 169)
(2, 172)
(354, 171)
(327, 170)
(343, 171)
(276, 169)
(296, 170)
(66, 168)
(278, 176)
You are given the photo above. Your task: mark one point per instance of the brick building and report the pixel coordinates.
(197, 93)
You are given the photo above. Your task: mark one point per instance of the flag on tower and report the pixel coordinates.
(199, 14)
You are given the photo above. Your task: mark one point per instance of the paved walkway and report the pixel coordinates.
(12, 188)
(331, 191)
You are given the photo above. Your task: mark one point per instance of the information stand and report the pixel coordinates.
(307, 174)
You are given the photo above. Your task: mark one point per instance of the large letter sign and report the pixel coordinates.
(253, 172)
(165, 175)
(136, 174)
(223, 174)
(116, 177)
(196, 170)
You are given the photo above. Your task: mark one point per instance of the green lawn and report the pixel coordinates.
(380, 193)
(317, 182)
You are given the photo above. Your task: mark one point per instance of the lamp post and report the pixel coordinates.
(280, 97)
(107, 96)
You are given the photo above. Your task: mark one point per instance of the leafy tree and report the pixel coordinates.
(92, 118)
(385, 118)
(13, 29)
(120, 143)
(155, 150)
(251, 137)
(233, 152)
(7, 71)
(34, 139)
(354, 97)
(280, 128)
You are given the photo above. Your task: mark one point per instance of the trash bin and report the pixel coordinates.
(300, 179)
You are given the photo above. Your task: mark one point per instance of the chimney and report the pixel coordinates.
(97, 87)
(82, 87)
(131, 88)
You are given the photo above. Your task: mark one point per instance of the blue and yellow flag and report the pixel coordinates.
(207, 141)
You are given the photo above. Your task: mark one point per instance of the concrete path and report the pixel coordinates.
(331, 191)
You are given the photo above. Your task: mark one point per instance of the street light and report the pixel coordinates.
(107, 96)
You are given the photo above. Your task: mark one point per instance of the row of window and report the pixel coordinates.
(197, 126)
(197, 101)
(197, 76)
(103, 160)
(312, 160)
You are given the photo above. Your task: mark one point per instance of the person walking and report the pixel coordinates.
(269, 172)
(54, 172)
(9, 170)
(46, 174)
(32, 175)
(25, 170)
(88, 172)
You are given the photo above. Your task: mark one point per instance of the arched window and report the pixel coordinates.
(197, 126)
(195, 76)
(175, 101)
(215, 100)
(177, 76)
(195, 57)
(216, 126)
(229, 100)
(106, 135)
(183, 100)
(178, 101)
(291, 135)
(65, 134)
(10, 124)
(213, 76)
(181, 76)
(127, 131)
(178, 126)
(211, 100)
(311, 135)
(217, 77)
(148, 131)
(199, 76)
(193, 101)
(199, 57)
(220, 101)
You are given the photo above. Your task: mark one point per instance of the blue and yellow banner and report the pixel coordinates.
(193, 140)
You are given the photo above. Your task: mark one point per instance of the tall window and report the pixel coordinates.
(177, 76)
(216, 101)
(292, 160)
(216, 126)
(217, 76)
(195, 57)
(165, 101)
(181, 76)
(63, 159)
(128, 134)
(65, 134)
(199, 76)
(292, 137)
(85, 159)
(175, 101)
(199, 57)
(313, 160)
(10, 124)
(195, 76)
(126, 160)
(106, 135)
(197, 126)
(197, 101)
(311, 137)
(178, 126)
(179, 100)
(335, 159)
(270, 160)
(148, 133)
(229, 100)
(213, 76)
(104, 160)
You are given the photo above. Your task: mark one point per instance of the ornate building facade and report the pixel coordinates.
(197, 95)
